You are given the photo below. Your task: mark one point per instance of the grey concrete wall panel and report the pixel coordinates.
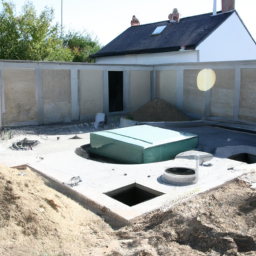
(20, 96)
(222, 94)
(74, 95)
(57, 96)
(91, 94)
(248, 95)
(180, 89)
(39, 96)
(153, 84)
(140, 89)
(166, 82)
(194, 99)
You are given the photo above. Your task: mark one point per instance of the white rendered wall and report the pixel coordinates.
(229, 42)
(151, 58)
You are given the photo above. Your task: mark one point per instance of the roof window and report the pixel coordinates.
(158, 30)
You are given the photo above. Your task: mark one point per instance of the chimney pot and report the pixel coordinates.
(174, 16)
(135, 21)
(228, 5)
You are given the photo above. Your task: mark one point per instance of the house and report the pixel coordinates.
(217, 36)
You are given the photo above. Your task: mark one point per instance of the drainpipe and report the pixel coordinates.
(214, 7)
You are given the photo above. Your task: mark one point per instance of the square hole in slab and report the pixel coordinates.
(133, 194)
(244, 157)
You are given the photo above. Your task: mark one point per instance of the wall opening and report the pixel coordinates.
(244, 157)
(133, 194)
(115, 90)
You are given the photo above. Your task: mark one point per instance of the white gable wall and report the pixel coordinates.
(151, 58)
(229, 42)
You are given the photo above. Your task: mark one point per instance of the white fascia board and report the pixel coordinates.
(151, 58)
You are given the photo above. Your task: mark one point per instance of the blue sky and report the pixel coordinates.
(106, 19)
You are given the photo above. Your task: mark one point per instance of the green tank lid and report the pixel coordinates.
(141, 144)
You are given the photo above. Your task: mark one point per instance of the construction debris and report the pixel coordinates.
(24, 144)
(74, 181)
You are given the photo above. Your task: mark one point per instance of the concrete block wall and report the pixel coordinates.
(140, 89)
(247, 110)
(166, 85)
(20, 95)
(90, 93)
(56, 95)
(35, 93)
(232, 97)
(54, 92)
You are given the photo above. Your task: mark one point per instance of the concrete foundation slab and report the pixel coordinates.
(101, 178)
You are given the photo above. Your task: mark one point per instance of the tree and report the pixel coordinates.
(31, 37)
(82, 45)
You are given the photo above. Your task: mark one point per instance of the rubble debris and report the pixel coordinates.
(74, 181)
(6, 133)
(24, 144)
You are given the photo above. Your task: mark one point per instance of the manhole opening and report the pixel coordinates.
(244, 157)
(180, 171)
(133, 194)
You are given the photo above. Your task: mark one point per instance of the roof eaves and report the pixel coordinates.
(155, 50)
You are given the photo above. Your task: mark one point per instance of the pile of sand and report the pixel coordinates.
(37, 220)
(158, 110)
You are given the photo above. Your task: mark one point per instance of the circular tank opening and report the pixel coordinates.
(180, 171)
(179, 176)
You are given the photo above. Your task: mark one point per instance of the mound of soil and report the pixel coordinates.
(158, 110)
(37, 220)
(216, 223)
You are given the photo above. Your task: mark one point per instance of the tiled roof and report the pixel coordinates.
(190, 31)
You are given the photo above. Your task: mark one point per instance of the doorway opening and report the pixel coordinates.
(115, 90)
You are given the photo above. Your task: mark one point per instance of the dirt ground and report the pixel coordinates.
(37, 220)
(220, 222)
(159, 110)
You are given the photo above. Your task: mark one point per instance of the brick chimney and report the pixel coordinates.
(174, 16)
(135, 21)
(228, 5)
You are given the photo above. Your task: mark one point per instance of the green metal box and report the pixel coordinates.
(141, 144)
